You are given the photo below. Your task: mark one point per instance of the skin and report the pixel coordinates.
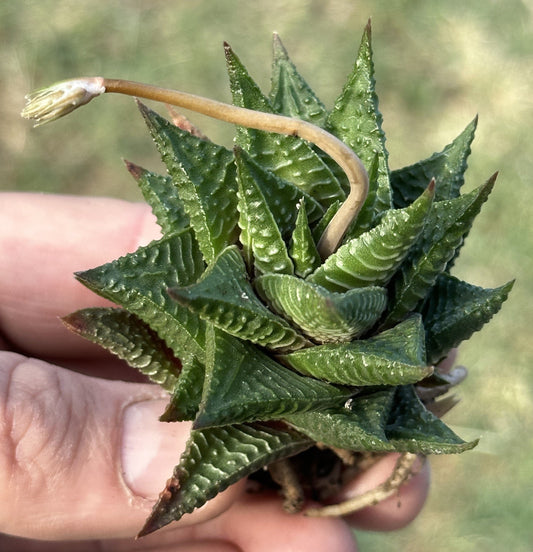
(63, 403)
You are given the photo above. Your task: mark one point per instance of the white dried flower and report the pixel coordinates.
(48, 104)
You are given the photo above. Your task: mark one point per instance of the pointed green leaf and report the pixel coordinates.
(448, 223)
(323, 315)
(288, 157)
(205, 175)
(480, 196)
(214, 459)
(393, 357)
(290, 94)
(412, 428)
(383, 421)
(162, 196)
(447, 167)
(454, 310)
(261, 237)
(374, 257)
(187, 393)
(139, 282)
(126, 336)
(358, 426)
(302, 248)
(356, 120)
(225, 297)
(244, 385)
(322, 224)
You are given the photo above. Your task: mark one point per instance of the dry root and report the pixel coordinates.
(403, 471)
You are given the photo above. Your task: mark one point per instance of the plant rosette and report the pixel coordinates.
(300, 299)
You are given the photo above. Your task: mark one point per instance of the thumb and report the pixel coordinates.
(82, 457)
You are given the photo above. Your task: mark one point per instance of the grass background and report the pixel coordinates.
(437, 65)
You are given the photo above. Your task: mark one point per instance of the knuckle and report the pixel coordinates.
(35, 423)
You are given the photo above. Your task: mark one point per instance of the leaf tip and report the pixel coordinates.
(135, 170)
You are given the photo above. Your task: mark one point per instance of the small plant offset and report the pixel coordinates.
(297, 306)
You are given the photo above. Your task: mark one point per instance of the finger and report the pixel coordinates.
(83, 458)
(257, 523)
(43, 240)
(397, 511)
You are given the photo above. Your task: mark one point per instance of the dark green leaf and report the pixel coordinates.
(393, 357)
(290, 94)
(225, 297)
(448, 223)
(447, 167)
(412, 428)
(356, 121)
(288, 157)
(359, 426)
(322, 224)
(162, 196)
(126, 336)
(454, 310)
(244, 385)
(205, 175)
(214, 459)
(187, 393)
(384, 421)
(323, 315)
(139, 282)
(302, 248)
(261, 237)
(373, 257)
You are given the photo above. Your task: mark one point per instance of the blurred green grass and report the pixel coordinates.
(437, 65)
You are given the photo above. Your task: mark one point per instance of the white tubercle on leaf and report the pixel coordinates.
(51, 103)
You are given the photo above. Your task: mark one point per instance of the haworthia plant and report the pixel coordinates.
(272, 344)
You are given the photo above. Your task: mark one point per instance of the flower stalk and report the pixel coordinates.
(51, 103)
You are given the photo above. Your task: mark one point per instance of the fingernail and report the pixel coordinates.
(150, 448)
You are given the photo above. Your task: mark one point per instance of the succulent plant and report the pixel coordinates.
(297, 306)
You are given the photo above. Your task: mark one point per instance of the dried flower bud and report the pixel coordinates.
(51, 103)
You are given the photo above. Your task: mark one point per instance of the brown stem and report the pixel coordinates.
(337, 150)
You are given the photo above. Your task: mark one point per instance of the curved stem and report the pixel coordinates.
(337, 150)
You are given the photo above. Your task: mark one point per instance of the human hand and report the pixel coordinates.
(82, 454)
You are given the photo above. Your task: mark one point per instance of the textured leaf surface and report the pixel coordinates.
(448, 223)
(214, 459)
(412, 428)
(447, 167)
(322, 224)
(356, 121)
(139, 282)
(290, 94)
(187, 393)
(263, 244)
(281, 196)
(288, 157)
(359, 426)
(393, 357)
(244, 385)
(162, 196)
(373, 258)
(384, 421)
(126, 336)
(225, 297)
(455, 310)
(205, 175)
(323, 315)
(303, 250)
